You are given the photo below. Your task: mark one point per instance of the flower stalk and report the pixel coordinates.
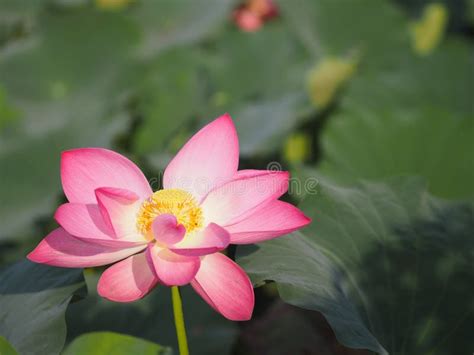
(179, 321)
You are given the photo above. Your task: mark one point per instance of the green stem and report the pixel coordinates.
(179, 321)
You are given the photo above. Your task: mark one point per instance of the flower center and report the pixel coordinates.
(177, 202)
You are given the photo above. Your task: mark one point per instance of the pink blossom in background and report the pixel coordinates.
(253, 14)
(172, 236)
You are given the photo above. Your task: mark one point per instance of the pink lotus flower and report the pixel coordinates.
(172, 236)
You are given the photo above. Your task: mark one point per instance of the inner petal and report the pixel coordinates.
(166, 229)
(179, 203)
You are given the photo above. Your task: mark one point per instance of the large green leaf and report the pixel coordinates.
(100, 343)
(33, 300)
(361, 143)
(63, 83)
(152, 318)
(389, 266)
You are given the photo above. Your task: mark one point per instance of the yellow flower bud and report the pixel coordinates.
(327, 77)
(112, 4)
(429, 30)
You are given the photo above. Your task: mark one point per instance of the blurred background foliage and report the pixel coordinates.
(354, 94)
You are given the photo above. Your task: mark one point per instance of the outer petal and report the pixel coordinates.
(118, 208)
(59, 248)
(86, 169)
(274, 219)
(212, 239)
(247, 173)
(170, 268)
(166, 229)
(85, 222)
(225, 287)
(127, 280)
(208, 159)
(236, 199)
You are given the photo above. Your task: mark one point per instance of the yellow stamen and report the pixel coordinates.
(177, 202)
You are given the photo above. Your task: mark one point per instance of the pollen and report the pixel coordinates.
(177, 202)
